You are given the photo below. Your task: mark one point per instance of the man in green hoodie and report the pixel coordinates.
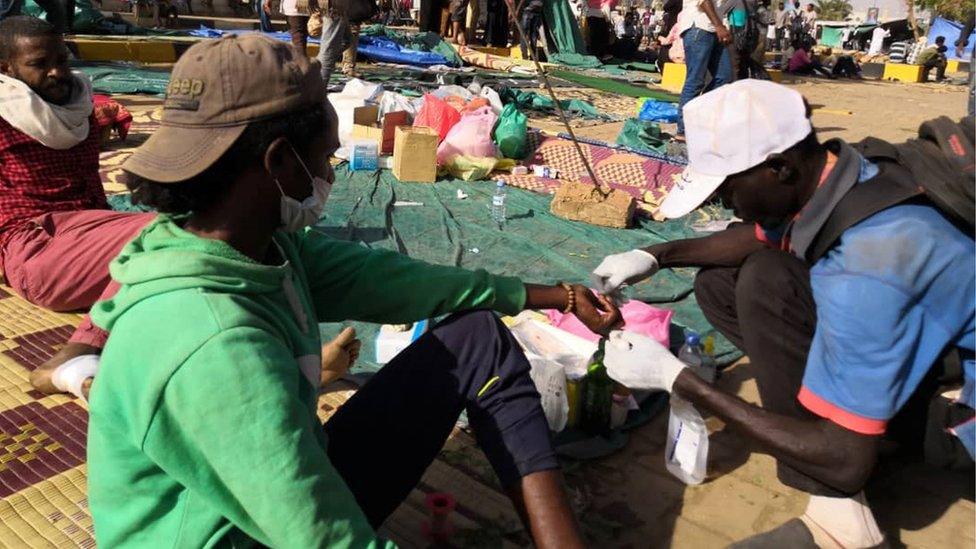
(203, 428)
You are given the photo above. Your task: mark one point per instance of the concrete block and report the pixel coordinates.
(957, 65)
(902, 73)
(583, 202)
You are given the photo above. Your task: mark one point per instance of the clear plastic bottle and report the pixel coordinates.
(686, 451)
(697, 359)
(498, 204)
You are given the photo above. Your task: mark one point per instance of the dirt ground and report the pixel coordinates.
(848, 109)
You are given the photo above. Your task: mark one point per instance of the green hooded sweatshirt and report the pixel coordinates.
(203, 429)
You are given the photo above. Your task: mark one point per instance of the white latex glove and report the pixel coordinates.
(618, 270)
(640, 362)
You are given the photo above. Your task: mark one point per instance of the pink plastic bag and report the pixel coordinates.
(638, 316)
(437, 115)
(470, 137)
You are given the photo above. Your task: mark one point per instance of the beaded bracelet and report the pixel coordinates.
(570, 298)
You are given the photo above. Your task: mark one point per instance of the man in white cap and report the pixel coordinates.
(842, 339)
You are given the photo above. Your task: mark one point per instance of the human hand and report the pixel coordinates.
(339, 355)
(723, 34)
(639, 362)
(266, 6)
(595, 311)
(625, 268)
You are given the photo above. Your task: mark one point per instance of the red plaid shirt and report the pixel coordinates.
(35, 179)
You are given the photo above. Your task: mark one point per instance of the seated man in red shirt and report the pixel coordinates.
(57, 232)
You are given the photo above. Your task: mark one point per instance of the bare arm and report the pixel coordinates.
(597, 312)
(723, 33)
(728, 248)
(816, 447)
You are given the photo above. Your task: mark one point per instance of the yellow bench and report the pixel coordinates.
(901, 72)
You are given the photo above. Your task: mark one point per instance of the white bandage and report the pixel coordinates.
(70, 376)
(842, 522)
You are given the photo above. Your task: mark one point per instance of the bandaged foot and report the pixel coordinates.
(842, 523)
(40, 378)
(70, 377)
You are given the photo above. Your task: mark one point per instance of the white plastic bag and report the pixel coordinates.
(550, 380)
(686, 452)
(393, 102)
(356, 93)
(493, 99)
(449, 90)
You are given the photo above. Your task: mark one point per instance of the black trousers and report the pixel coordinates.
(386, 435)
(497, 24)
(939, 64)
(430, 16)
(766, 309)
(60, 13)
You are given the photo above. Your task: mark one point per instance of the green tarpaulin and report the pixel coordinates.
(642, 135)
(565, 30)
(124, 77)
(525, 99)
(575, 60)
(613, 86)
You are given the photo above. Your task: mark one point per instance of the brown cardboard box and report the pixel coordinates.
(365, 126)
(415, 154)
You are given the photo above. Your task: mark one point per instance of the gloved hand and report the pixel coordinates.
(639, 362)
(626, 268)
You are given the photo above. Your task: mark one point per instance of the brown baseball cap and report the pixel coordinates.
(217, 88)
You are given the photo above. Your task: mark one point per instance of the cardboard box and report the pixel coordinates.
(415, 154)
(673, 78)
(365, 126)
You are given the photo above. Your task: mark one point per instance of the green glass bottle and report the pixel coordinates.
(597, 396)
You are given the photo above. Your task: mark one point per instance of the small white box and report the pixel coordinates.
(391, 341)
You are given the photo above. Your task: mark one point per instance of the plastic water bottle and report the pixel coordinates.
(498, 204)
(686, 451)
(697, 359)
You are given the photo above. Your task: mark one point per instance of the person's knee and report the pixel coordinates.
(711, 286)
(764, 274)
(476, 323)
(763, 269)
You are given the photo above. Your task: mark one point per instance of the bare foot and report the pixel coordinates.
(339, 355)
(40, 378)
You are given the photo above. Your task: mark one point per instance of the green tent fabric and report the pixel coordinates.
(89, 20)
(120, 77)
(534, 244)
(831, 36)
(642, 135)
(575, 60)
(565, 30)
(525, 99)
(422, 41)
(612, 86)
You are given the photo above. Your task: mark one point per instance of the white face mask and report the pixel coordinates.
(296, 215)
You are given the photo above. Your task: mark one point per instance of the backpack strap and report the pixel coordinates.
(893, 185)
